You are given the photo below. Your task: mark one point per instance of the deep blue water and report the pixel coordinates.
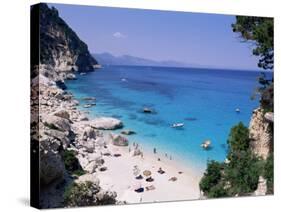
(204, 99)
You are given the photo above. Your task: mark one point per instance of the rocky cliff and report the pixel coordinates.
(57, 127)
(261, 133)
(60, 47)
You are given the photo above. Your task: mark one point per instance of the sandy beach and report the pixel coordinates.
(120, 177)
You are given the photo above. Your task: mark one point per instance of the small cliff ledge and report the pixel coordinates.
(261, 133)
(60, 47)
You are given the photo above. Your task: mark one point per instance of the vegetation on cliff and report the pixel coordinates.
(71, 163)
(87, 194)
(239, 174)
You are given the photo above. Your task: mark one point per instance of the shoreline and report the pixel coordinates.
(186, 187)
(120, 178)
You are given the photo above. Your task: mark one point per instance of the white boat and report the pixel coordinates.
(237, 110)
(175, 125)
(82, 73)
(206, 144)
(124, 80)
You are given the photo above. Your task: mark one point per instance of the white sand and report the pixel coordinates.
(119, 177)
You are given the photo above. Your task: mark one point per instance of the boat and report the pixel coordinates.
(124, 80)
(147, 110)
(89, 105)
(237, 110)
(206, 144)
(82, 73)
(175, 125)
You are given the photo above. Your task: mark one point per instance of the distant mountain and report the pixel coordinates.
(109, 59)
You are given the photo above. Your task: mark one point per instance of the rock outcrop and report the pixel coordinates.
(261, 133)
(57, 127)
(262, 187)
(60, 47)
(106, 123)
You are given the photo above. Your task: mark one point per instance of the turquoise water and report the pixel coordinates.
(204, 99)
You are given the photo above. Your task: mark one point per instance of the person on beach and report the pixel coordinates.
(154, 150)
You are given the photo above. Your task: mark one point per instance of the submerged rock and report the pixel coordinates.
(128, 132)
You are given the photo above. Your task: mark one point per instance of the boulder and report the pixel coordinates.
(269, 116)
(70, 76)
(51, 164)
(89, 145)
(61, 136)
(56, 123)
(106, 123)
(88, 133)
(119, 140)
(51, 167)
(62, 113)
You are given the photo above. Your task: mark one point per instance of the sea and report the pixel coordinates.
(204, 100)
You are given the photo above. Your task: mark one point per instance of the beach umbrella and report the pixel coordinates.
(146, 173)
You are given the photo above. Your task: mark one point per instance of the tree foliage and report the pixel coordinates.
(242, 172)
(87, 194)
(238, 139)
(240, 175)
(258, 30)
(81, 194)
(212, 176)
(71, 163)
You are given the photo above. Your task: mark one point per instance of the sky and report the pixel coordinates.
(192, 38)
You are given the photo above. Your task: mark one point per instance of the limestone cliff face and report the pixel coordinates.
(261, 133)
(60, 47)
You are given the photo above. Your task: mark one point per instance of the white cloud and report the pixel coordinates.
(119, 35)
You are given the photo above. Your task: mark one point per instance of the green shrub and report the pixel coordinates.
(81, 194)
(243, 172)
(71, 162)
(238, 139)
(212, 176)
(218, 191)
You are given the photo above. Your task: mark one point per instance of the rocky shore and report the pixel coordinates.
(62, 127)
(82, 161)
